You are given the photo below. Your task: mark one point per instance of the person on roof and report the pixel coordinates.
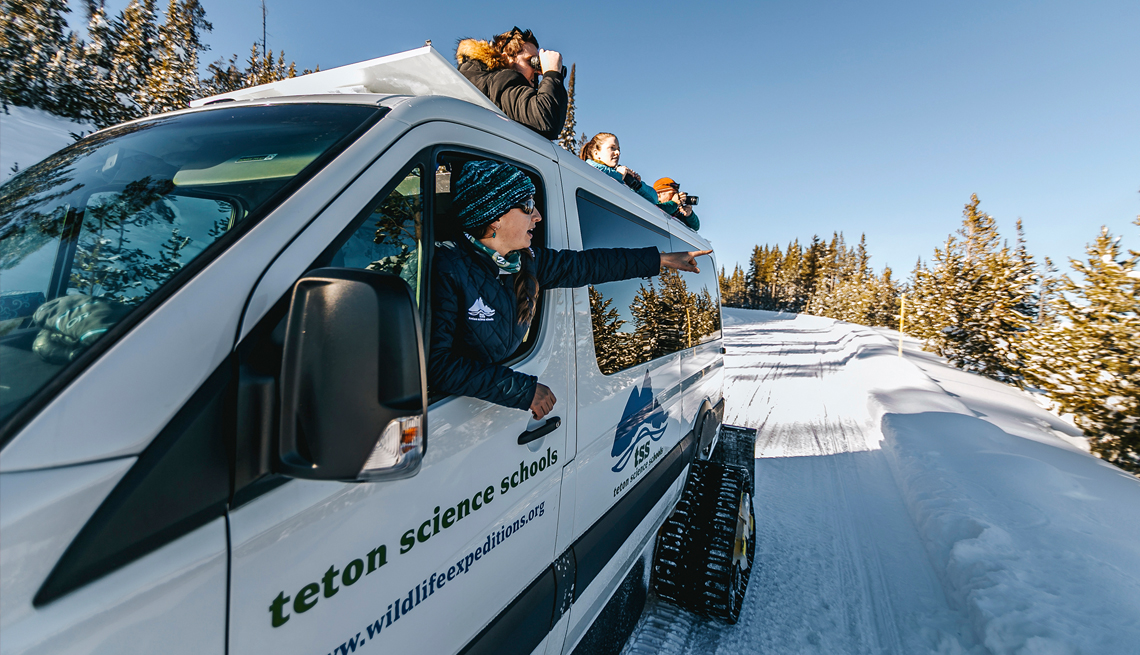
(506, 69)
(602, 152)
(486, 284)
(676, 203)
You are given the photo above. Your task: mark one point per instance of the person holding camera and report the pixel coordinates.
(676, 203)
(506, 69)
(602, 152)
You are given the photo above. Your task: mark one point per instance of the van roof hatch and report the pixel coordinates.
(419, 72)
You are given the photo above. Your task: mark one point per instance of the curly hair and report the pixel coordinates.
(510, 44)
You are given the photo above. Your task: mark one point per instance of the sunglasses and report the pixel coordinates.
(527, 206)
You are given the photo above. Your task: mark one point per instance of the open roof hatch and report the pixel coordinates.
(419, 72)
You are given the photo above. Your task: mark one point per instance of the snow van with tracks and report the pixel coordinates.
(216, 431)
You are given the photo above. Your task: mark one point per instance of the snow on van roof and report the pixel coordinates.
(419, 72)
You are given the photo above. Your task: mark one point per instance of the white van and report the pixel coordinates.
(216, 431)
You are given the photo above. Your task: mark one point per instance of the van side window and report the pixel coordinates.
(634, 321)
(702, 316)
(390, 238)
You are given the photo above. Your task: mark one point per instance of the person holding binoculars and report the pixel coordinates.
(506, 69)
(676, 203)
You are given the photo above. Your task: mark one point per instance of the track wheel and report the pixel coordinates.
(705, 549)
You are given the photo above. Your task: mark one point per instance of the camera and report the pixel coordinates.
(692, 200)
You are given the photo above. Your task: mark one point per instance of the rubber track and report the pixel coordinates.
(693, 567)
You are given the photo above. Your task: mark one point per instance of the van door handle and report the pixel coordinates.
(541, 431)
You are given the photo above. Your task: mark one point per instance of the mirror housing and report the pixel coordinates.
(353, 379)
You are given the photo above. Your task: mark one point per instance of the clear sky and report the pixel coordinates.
(797, 118)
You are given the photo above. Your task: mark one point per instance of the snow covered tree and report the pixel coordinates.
(132, 61)
(975, 305)
(173, 80)
(566, 138)
(103, 33)
(1088, 358)
(32, 34)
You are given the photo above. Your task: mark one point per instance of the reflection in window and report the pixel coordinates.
(390, 240)
(668, 317)
(636, 321)
(92, 231)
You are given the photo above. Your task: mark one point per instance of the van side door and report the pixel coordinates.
(629, 405)
(457, 556)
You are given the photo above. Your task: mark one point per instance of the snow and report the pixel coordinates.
(29, 135)
(905, 506)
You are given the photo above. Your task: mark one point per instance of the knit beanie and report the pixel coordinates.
(665, 183)
(486, 190)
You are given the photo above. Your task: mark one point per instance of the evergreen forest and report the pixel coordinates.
(133, 64)
(1072, 339)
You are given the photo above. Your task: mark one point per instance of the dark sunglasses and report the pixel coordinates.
(527, 206)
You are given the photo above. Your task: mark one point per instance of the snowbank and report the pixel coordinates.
(1038, 542)
(1034, 540)
(29, 135)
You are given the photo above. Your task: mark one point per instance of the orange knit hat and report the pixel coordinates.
(665, 183)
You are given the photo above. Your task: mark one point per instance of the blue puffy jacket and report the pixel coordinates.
(473, 313)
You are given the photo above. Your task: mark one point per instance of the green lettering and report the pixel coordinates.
(301, 603)
(407, 541)
(448, 517)
(352, 572)
(330, 588)
(378, 554)
(279, 617)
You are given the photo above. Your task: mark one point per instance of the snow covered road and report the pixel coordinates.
(906, 507)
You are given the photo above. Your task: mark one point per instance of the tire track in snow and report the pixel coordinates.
(839, 566)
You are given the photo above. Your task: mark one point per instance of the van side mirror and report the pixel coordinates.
(353, 381)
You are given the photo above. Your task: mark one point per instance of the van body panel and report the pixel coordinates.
(422, 109)
(171, 601)
(40, 513)
(592, 599)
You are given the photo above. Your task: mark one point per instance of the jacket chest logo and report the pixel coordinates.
(480, 311)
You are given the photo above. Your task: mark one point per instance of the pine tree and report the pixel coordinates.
(975, 305)
(103, 33)
(1088, 358)
(32, 34)
(567, 139)
(70, 80)
(610, 343)
(132, 60)
(225, 77)
(647, 317)
(173, 81)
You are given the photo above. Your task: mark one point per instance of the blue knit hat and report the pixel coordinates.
(486, 190)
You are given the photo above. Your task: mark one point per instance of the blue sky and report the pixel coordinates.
(797, 118)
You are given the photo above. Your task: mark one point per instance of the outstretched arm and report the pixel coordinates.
(683, 261)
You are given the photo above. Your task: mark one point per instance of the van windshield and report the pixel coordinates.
(91, 232)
